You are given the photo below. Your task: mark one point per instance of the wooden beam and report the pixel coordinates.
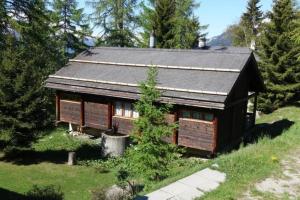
(175, 133)
(57, 101)
(240, 100)
(215, 136)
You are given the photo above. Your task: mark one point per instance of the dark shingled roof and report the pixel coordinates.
(189, 77)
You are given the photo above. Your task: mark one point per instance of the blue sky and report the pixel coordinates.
(218, 14)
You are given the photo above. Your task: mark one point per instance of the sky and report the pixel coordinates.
(218, 14)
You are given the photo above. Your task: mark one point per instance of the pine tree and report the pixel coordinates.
(27, 60)
(187, 25)
(296, 32)
(117, 19)
(71, 26)
(172, 22)
(151, 156)
(159, 18)
(278, 58)
(246, 31)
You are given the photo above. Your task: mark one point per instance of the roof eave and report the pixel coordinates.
(135, 96)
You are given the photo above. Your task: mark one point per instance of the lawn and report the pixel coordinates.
(44, 163)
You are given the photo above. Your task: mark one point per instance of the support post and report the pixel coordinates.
(215, 136)
(81, 114)
(57, 101)
(254, 108)
(109, 117)
(175, 133)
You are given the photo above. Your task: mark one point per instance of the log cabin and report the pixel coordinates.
(209, 89)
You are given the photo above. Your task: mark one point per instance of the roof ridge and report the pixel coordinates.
(215, 50)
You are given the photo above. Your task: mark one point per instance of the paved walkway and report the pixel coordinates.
(189, 187)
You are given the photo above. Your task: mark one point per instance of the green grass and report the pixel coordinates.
(254, 162)
(44, 164)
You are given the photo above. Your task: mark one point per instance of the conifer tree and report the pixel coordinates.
(71, 26)
(159, 18)
(187, 26)
(151, 156)
(27, 60)
(246, 31)
(117, 20)
(278, 58)
(296, 32)
(172, 22)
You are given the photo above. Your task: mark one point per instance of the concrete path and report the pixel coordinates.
(189, 187)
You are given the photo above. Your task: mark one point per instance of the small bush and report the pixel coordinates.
(49, 192)
(99, 194)
(113, 193)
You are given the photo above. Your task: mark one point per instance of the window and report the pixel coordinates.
(186, 114)
(128, 109)
(208, 116)
(125, 109)
(118, 108)
(197, 115)
(191, 114)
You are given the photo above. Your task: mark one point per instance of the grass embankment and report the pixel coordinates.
(278, 134)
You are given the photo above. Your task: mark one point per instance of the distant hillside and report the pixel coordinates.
(220, 40)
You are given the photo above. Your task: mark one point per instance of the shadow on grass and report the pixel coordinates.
(10, 195)
(23, 156)
(268, 130)
(36, 193)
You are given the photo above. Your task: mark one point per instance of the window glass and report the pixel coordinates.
(208, 116)
(118, 108)
(128, 109)
(186, 114)
(197, 115)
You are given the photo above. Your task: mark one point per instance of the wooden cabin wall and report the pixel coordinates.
(192, 133)
(96, 115)
(196, 134)
(70, 111)
(124, 125)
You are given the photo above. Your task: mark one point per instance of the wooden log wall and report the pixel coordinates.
(171, 118)
(196, 134)
(125, 125)
(96, 115)
(70, 111)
